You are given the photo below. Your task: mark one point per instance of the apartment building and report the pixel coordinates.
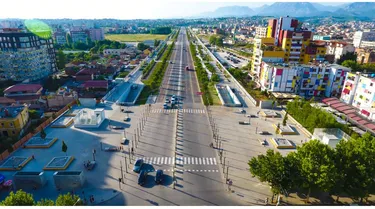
(13, 119)
(359, 91)
(79, 36)
(339, 48)
(96, 34)
(60, 37)
(260, 32)
(364, 38)
(305, 80)
(24, 55)
(293, 44)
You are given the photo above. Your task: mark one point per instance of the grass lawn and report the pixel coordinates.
(134, 37)
(205, 37)
(214, 94)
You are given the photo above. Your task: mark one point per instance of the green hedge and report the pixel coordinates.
(148, 69)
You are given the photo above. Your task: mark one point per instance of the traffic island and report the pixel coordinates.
(59, 163)
(62, 122)
(281, 143)
(285, 130)
(40, 143)
(15, 163)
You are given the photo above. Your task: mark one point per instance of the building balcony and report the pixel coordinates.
(297, 37)
(296, 47)
(294, 57)
(295, 52)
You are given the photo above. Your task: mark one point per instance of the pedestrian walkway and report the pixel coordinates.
(187, 170)
(193, 111)
(179, 160)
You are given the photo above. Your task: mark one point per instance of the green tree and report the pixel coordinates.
(43, 134)
(69, 41)
(215, 78)
(219, 41)
(33, 114)
(317, 166)
(68, 200)
(45, 202)
(20, 198)
(156, 43)
(64, 148)
(141, 46)
(212, 40)
(274, 169)
(348, 56)
(61, 59)
(351, 64)
(355, 161)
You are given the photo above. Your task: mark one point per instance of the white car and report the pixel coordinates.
(262, 142)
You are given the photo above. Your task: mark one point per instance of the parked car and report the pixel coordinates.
(159, 177)
(251, 116)
(167, 100)
(262, 142)
(165, 106)
(263, 133)
(138, 165)
(142, 177)
(243, 111)
(244, 123)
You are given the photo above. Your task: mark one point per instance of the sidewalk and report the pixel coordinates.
(100, 195)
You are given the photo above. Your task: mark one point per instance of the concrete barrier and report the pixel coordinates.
(218, 93)
(68, 180)
(236, 101)
(29, 180)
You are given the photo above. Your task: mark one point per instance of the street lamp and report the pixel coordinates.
(79, 199)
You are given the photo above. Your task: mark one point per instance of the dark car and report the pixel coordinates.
(138, 165)
(159, 177)
(142, 178)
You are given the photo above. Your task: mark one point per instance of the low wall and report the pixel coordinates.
(68, 180)
(233, 96)
(218, 93)
(26, 138)
(88, 102)
(29, 180)
(265, 104)
(303, 129)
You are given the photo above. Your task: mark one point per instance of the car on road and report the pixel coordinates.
(165, 106)
(127, 111)
(262, 142)
(138, 165)
(167, 100)
(264, 133)
(126, 118)
(187, 68)
(170, 62)
(117, 127)
(243, 111)
(251, 116)
(244, 123)
(142, 177)
(159, 177)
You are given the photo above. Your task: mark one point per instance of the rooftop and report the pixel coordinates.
(10, 111)
(96, 84)
(30, 88)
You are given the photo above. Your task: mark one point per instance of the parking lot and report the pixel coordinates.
(232, 59)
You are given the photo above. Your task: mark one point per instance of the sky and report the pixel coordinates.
(120, 9)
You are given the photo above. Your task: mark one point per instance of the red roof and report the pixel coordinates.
(370, 126)
(23, 87)
(329, 99)
(362, 122)
(346, 107)
(96, 84)
(338, 104)
(5, 100)
(349, 111)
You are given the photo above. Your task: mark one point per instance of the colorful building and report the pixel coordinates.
(359, 91)
(286, 42)
(13, 119)
(304, 80)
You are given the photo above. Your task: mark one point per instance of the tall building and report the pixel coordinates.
(364, 38)
(96, 34)
(79, 36)
(304, 80)
(60, 37)
(359, 91)
(260, 32)
(287, 41)
(339, 48)
(13, 119)
(24, 55)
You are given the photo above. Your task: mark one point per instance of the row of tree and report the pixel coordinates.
(216, 40)
(316, 167)
(201, 74)
(21, 198)
(161, 30)
(215, 77)
(311, 117)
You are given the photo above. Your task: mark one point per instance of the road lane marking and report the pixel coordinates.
(204, 161)
(214, 161)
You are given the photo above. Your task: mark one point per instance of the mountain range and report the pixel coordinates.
(296, 9)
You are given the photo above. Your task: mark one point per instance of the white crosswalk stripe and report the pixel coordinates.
(179, 160)
(191, 111)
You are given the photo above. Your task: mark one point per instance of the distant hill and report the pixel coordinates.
(293, 9)
(361, 9)
(230, 11)
(322, 7)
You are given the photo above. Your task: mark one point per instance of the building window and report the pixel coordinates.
(11, 124)
(371, 84)
(13, 132)
(2, 124)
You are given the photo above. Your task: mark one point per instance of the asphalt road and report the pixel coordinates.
(200, 178)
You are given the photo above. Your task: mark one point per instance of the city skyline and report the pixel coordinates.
(98, 10)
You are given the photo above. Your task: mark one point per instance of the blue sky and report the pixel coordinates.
(119, 9)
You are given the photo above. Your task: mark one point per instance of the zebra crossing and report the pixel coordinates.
(185, 170)
(193, 111)
(179, 160)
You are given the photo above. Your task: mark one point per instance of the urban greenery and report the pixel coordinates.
(141, 46)
(123, 74)
(161, 30)
(216, 40)
(316, 167)
(21, 198)
(146, 71)
(134, 37)
(311, 117)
